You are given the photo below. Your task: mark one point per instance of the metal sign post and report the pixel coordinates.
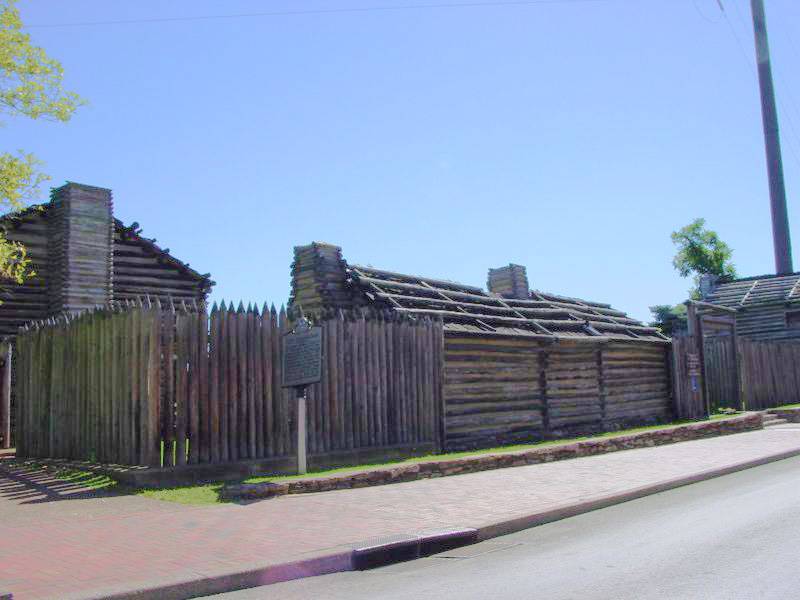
(302, 365)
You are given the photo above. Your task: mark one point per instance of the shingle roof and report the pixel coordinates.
(741, 293)
(470, 309)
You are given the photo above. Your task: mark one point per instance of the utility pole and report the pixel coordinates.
(777, 192)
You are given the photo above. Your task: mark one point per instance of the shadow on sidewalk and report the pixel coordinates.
(29, 485)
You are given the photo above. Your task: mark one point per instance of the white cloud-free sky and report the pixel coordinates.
(568, 136)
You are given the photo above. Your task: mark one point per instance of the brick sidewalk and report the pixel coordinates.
(57, 543)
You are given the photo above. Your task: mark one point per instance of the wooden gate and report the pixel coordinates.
(720, 361)
(705, 362)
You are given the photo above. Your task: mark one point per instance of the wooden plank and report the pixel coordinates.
(193, 386)
(370, 380)
(203, 364)
(214, 396)
(181, 387)
(288, 406)
(258, 382)
(267, 332)
(224, 384)
(360, 432)
(232, 376)
(393, 400)
(168, 414)
(383, 395)
(133, 406)
(349, 346)
(154, 388)
(252, 436)
(324, 393)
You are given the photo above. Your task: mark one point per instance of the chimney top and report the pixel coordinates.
(707, 284)
(510, 281)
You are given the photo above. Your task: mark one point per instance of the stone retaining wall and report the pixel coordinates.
(790, 414)
(473, 464)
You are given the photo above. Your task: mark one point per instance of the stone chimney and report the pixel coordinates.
(510, 281)
(319, 278)
(80, 231)
(707, 284)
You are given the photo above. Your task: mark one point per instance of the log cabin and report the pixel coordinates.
(767, 306)
(84, 257)
(519, 364)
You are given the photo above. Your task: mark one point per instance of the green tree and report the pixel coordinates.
(669, 319)
(700, 252)
(30, 86)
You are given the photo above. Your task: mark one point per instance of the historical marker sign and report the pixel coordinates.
(302, 357)
(693, 364)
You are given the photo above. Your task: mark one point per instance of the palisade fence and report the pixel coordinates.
(142, 384)
(5, 395)
(770, 375)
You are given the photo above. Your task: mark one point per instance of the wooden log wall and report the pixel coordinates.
(142, 269)
(28, 301)
(574, 400)
(765, 322)
(501, 390)
(493, 391)
(637, 386)
(769, 373)
(88, 387)
(173, 386)
(5, 395)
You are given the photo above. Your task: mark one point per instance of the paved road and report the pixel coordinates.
(733, 537)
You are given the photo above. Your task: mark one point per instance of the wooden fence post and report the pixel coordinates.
(5, 398)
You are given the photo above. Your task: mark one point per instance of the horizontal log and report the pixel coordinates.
(436, 283)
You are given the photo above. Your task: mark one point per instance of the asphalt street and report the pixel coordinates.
(732, 537)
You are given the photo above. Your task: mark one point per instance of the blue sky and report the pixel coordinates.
(571, 137)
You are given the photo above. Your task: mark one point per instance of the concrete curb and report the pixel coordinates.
(381, 552)
(491, 530)
(239, 580)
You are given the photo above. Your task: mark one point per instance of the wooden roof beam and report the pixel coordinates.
(441, 283)
(458, 306)
(794, 289)
(749, 291)
(711, 306)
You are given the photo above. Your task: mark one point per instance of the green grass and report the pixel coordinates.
(196, 495)
(208, 494)
(465, 454)
(789, 406)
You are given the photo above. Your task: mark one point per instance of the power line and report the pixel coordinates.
(793, 139)
(320, 11)
(703, 15)
(753, 69)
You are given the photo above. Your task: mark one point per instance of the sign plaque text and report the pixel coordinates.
(302, 357)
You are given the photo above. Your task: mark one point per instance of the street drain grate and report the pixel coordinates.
(382, 551)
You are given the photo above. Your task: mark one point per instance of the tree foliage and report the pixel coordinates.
(669, 319)
(30, 86)
(701, 251)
